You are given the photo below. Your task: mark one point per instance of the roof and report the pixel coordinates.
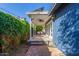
(58, 7)
(39, 9)
(39, 17)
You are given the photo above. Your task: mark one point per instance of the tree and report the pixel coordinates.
(39, 28)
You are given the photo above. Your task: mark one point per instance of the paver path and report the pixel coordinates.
(38, 50)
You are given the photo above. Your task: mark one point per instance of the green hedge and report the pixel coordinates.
(13, 29)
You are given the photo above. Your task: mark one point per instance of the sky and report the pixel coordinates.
(20, 9)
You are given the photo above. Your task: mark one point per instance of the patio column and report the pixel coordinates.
(51, 28)
(30, 30)
(35, 30)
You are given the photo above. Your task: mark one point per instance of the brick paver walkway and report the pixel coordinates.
(38, 50)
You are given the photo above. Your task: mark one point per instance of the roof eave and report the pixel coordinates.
(57, 8)
(54, 8)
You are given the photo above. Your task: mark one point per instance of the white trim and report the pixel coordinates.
(37, 12)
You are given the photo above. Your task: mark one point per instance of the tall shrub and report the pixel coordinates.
(12, 29)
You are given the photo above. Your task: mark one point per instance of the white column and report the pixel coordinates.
(30, 30)
(52, 29)
(35, 30)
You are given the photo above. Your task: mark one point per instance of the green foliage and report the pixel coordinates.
(9, 25)
(12, 27)
(25, 29)
(39, 28)
(1, 42)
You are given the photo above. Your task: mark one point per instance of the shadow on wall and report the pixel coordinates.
(67, 30)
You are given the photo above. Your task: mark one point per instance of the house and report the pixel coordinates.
(66, 27)
(61, 26)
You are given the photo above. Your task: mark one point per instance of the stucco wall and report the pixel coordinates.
(66, 30)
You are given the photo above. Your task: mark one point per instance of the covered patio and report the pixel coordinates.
(40, 17)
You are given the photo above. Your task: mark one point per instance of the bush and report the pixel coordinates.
(12, 29)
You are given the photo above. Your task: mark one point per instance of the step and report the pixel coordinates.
(36, 42)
